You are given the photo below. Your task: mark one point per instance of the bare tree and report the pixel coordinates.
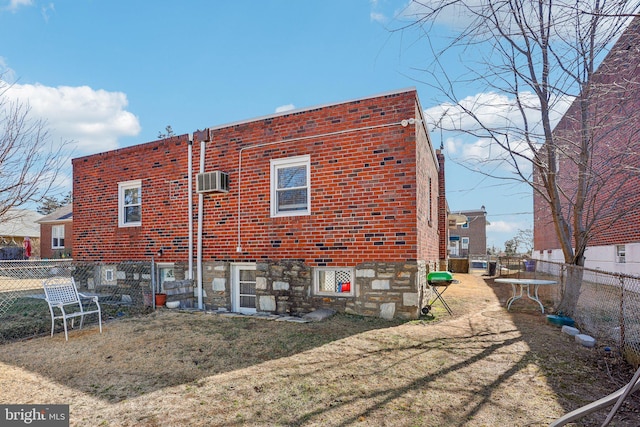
(50, 203)
(168, 133)
(532, 59)
(30, 161)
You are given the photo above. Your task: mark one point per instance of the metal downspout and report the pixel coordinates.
(200, 220)
(190, 200)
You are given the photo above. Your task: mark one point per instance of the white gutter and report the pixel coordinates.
(403, 123)
(190, 198)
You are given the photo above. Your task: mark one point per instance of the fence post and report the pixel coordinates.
(622, 322)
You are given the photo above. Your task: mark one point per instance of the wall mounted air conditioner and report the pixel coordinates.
(209, 182)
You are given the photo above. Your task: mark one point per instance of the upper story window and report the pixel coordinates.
(57, 236)
(465, 225)
(130, 203)
(290, 186)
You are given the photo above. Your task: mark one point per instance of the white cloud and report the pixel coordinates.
(14, 5)
(93, 119)
(6, 73)
(472, 116)
(284, 108)
(46, 11)
(460, 15)
(503, 227)
(378, 17)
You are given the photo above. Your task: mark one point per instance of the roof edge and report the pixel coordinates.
(313, 107)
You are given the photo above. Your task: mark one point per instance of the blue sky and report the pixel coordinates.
(114, 73)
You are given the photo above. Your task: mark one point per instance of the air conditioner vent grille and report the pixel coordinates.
(209, 182)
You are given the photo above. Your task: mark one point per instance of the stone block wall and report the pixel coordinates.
(382, 289)
(180, 290)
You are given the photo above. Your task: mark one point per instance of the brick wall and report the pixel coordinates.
(443, 222)
(612, 202)
(364, 191)
(476, 232)
(427, 184)
(46, 251)
(370, 194)
(162, 167)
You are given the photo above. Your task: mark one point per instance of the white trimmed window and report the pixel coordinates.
(290, 186)
(57, 236)
(166, 273)
(464, 243)
(337, 281)
(130, 204)
(621, 254)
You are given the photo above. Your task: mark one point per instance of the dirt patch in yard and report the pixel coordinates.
(483, 366)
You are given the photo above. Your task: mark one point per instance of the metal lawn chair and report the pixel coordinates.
(65, 302)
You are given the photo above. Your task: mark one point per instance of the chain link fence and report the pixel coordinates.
(123, 289)
(608, 305)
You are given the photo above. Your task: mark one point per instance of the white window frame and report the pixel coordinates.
(122, 187)
(316, 281)
(165, 273)
(465, 225)
(56, 237)
(464, 243)
(289, 162)
(621, 254)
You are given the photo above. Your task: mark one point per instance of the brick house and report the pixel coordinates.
(334, 206)
(613, 210)
(56, 233)
(469, 238)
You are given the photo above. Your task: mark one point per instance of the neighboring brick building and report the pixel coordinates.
(56, 233)
(614, 201)
(333, 206)
(470, 238)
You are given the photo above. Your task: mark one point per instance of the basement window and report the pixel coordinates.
(621, 254)
(334, 281)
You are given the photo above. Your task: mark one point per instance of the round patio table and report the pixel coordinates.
(525, 283)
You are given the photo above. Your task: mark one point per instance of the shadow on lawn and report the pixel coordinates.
(578, 374)
(481, 366)
(136, 356)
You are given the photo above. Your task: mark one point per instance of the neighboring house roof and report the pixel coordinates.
(62, 214)
(20, 223)
(471, 215)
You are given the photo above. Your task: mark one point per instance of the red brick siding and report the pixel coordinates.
(443, 221)
(364, 190)
(427, 195)
(614, 201)
(162, 167)
(45, 240)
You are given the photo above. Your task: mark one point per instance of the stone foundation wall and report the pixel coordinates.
(382, 289)
(216, 286)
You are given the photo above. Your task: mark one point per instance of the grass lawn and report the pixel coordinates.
(483, 366)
